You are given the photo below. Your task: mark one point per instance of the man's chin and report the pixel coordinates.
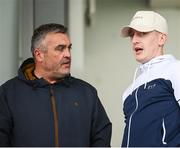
(62, 75)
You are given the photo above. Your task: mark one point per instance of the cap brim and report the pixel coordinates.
(126, 30)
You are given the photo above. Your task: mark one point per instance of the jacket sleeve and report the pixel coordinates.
(5, 121)
(101, 126)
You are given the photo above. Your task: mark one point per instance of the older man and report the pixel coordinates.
(45, 106)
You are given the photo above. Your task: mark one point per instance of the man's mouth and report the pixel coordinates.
(138, 49)
(66, 63)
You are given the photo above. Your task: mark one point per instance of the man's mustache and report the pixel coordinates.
(66, 61)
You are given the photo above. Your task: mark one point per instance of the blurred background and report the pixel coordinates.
(100, 55)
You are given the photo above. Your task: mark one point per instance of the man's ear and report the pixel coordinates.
(39, 55)
(162, 40)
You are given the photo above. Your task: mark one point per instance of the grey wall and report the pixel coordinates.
(26, 26)
(8, 39)
(50, 11)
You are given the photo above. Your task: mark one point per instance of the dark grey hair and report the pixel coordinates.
(40, 33)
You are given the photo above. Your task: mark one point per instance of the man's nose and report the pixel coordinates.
(67, 52)
(135, 38)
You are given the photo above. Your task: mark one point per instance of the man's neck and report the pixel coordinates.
(38, 75)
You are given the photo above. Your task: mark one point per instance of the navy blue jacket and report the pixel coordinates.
(152, 105)
(27, 113)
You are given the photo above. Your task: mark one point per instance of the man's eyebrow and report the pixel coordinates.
(62, 46)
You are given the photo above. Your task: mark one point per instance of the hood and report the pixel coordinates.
(26, 74)
(155, 61)
(143, 73)
(145, 68)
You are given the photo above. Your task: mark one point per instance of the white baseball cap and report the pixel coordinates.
(146, 21)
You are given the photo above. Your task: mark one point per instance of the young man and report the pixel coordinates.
(151, 103)
(45, 106)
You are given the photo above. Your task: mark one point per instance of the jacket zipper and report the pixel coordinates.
(55, 117)
(130, 119)
(164, 132)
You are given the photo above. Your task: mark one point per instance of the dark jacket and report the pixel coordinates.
(36, 113)
(152, 105)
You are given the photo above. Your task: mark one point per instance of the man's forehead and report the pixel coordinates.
(57, 37)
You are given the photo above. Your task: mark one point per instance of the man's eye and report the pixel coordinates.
(143, 33)
(63, 47)
(70, 47)
(60, 47)
(131, 33)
